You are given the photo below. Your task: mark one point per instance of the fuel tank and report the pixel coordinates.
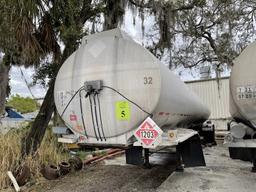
(243, 87)
(130, 85)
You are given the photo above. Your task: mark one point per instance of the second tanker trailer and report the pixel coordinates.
(242, 137)
(111, 86)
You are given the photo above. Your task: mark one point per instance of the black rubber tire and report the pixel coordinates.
(22, 175)
(76, 163)
(50, 172)
(65, 168)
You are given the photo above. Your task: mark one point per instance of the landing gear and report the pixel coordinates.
(189, 153)
(180, 166)
(137, 156)
(134, 156)
(146, 159)
(253, 160)
(207, 132)
(254, 166)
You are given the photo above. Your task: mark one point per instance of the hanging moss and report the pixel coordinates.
(113, 14)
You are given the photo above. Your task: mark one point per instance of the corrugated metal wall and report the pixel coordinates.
(217, 99)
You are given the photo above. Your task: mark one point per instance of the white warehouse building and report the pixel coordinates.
(216, 97)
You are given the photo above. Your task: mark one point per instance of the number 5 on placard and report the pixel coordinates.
(122, 110)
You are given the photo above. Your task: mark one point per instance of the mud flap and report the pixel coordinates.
(244, 154)
(191, 152)
(208, 135)
(134, 156)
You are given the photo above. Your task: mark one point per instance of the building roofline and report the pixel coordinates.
(202, 80)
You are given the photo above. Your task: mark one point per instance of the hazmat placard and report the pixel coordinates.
(123, 111)
(148, 133)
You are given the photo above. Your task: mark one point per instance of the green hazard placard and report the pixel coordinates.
(123, 112)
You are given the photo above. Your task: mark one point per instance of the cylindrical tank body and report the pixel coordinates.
(130, 69)
(243, 87)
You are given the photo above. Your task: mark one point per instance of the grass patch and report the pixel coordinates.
(50, 151)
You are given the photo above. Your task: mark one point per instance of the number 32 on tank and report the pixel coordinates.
(148, 80)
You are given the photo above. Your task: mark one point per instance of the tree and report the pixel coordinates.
(6, 46)
(36, 29)
(65, 20)
(183, 30)
(200, 32)
(113, 13)
(4, 78)
(214, 32)
(23, 104)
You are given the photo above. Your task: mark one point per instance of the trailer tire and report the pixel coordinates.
(65, 168)
(22, 175)
(50, 172)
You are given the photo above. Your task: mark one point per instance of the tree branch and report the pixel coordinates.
(209, 38)
(147, 5)
(184, 7)
(87, 12)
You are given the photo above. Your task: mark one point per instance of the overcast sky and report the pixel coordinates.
(18, 85)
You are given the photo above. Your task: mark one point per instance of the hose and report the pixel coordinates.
(93, 118)
(96, 115)
(71, 100)
(151, 115)
(81, 111)
(97, 96)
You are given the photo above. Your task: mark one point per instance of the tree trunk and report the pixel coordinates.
(4, 82)
(32, 141)
(113, 14)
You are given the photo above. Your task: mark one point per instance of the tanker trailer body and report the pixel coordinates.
(242, 137)
(111, 84)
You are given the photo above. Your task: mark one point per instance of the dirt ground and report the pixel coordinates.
(115, 175)
(111, 175)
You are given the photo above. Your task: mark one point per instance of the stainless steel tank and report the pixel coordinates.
(241, 139)
(135, 85)
(243, 87)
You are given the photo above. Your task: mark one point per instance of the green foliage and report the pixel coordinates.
(45, 72)
(190, 33)
(185, 32)
(23, 104)
(211, 32)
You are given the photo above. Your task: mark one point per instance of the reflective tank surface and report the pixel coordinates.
(135, 86)
(243, 86)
